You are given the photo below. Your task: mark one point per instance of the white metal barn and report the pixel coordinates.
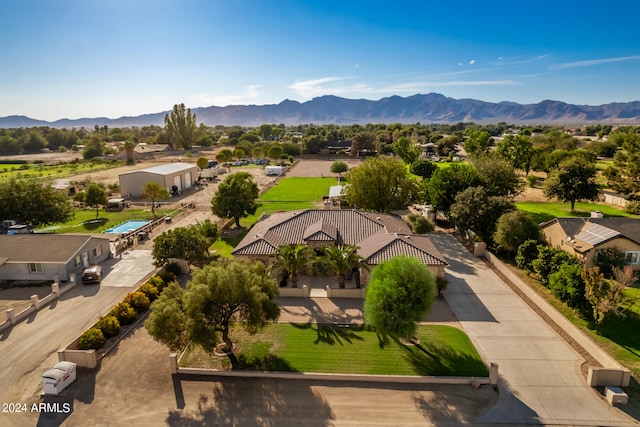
(172, 176)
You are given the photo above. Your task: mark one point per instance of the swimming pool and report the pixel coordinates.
(125, 227)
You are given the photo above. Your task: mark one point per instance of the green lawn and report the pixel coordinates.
(85, 220)
(299, 190)
(546, 211)
(291, 194)
(352, 349)
(40, 170)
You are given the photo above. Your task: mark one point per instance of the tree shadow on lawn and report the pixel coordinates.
(619, 330)
(94, 224)
(442, 360)
(331, 334)
(269, 362)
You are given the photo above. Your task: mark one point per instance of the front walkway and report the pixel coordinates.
(540, 377)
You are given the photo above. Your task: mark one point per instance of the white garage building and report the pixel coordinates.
(172, 176)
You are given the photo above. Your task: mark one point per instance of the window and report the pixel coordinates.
(97, 251)
(36, 267)
(77, 262)
(633, 257)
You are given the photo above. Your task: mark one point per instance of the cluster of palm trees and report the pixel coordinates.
(340, 259)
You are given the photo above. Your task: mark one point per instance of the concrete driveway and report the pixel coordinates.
(30, 348)
(540, 377)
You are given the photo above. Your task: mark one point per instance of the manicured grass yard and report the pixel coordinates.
(352, 349)
(85, 220)
(291, 194)
(546, 211)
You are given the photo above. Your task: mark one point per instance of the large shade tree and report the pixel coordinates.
(474, 209)
(445, 184)
(236, 197)
(400, 293)
(380, 184)
(34, 202)
(188, 243)
(573, 181)
(226, 291)
(219, 294)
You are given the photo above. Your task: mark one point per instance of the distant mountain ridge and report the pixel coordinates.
(329, 109)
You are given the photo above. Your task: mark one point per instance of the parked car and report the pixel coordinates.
(92, 274)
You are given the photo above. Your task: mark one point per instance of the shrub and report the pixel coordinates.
(168, 275)
(567, 285)
(124, 313)
(92, 339)
(609, 259)
(633, 207)
(532, 180)
(138, 301)
(109, 325)
(419, 224)
(150, 291)
(527, 252)
(156, 281)
(174, 268)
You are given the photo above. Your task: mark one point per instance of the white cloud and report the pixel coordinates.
(591, 62)
(250, 94)
(327, 85)
(473, 61)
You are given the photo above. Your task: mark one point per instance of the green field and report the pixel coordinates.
(291, 194)
(41, 170)
(546, 211)
(347, 349)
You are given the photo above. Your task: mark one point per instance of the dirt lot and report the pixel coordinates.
(318, 167)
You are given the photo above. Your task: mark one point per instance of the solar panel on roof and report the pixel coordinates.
(596, 234)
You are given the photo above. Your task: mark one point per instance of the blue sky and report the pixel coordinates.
(113, 58)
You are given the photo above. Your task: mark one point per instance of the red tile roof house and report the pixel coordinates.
(379, 237)
(585, 237)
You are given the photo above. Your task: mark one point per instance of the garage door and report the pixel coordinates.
(176, 182)
(187, 180)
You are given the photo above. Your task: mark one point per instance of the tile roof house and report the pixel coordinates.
(379, 236)
(44, 257)
(585, 237)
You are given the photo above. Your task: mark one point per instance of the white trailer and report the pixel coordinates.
(273, 170)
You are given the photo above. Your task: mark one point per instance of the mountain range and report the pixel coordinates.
(329, 109)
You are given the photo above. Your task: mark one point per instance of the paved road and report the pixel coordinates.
(541, 381)
(30, 347)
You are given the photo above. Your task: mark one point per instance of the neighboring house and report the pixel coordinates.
(173, 176)
(43, 257)
(145, 151)
(585, 237)
(379, 236)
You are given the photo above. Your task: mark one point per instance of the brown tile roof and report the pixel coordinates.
(321, 231)
(42, 247)
(382, 247)
(379, 236)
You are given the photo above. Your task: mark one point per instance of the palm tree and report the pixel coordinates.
(293, 259)
(342, 259)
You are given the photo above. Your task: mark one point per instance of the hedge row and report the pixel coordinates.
(126, 312)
